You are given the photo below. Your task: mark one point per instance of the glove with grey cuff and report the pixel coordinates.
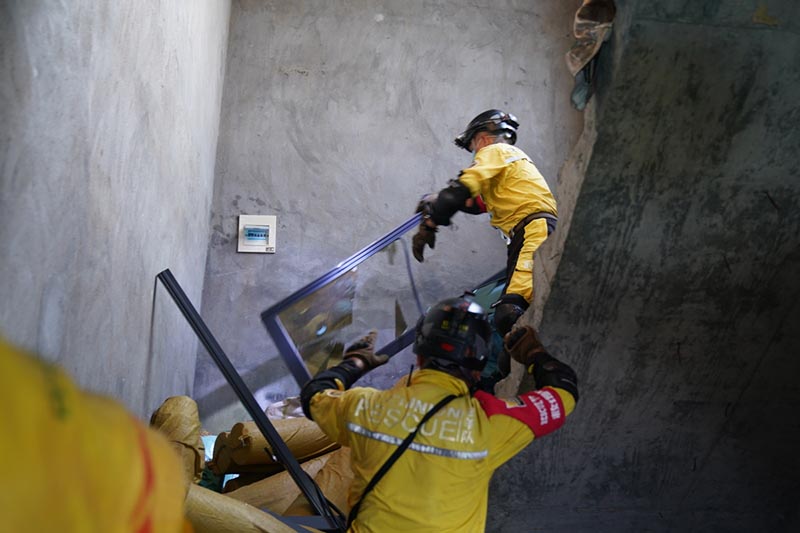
(524, 346)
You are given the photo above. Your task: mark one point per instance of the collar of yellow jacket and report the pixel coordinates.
(451, 384)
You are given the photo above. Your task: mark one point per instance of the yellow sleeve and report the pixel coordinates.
(487, 165)
(515, 423)
(331, 410)
(81, 457)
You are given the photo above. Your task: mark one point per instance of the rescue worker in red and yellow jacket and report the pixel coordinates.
(440, 482)
(80, 462)
(504, 182)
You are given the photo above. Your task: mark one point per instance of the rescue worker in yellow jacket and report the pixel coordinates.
(450, 436)
(79, 462)
(503, 181)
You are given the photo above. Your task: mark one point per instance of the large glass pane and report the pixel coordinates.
(376, 294)
(374, 289)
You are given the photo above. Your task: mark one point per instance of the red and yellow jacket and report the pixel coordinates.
(440, 484)
(79, 461)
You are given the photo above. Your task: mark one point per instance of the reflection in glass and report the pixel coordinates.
(377, 294)
(315, 323)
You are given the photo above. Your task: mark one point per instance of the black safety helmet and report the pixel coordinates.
(455, 330)
(494, 121)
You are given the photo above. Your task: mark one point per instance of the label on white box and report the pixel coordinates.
(257, 233)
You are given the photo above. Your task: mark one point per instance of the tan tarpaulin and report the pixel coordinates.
(178, 419)
(243, 448)
(210, 512)
(592, 25)
(278, 491)
(334, 480)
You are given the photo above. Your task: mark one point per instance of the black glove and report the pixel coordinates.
(523, 344)
(364, 349)
(424, 235)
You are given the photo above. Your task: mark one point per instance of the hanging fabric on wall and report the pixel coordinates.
(591, 27)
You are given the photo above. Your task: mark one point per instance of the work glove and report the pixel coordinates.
(364, 349)
(523, 345)
(424, 235)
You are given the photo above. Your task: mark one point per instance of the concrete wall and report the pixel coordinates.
(338, 116)
(109, 116)
(676, 294)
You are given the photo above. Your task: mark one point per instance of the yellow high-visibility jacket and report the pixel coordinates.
(440, 483)
(76, 461)
(510, 185)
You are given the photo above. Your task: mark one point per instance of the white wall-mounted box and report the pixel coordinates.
(257, 233)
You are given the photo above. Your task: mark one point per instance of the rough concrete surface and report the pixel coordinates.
(109, 116)
(676, 294)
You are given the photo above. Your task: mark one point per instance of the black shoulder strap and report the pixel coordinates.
(390, 461)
